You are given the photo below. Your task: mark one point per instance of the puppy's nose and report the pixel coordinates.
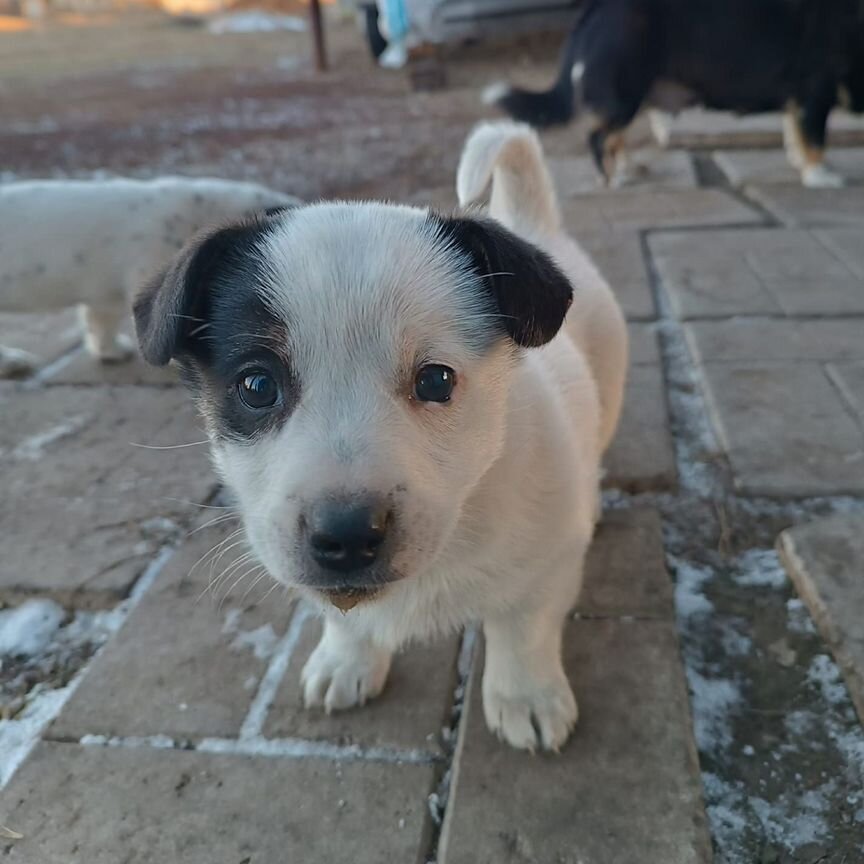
(348, 536)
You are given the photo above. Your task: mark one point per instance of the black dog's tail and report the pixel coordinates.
(552, 107)
(556, 106)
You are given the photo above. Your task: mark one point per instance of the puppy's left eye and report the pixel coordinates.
(434, 383)
(258, 390)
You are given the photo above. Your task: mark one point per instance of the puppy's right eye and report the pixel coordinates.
(258, 390)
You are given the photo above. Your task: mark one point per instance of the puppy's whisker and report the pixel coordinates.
(169, 446)
(238, 562)
(270, 591)
(213, 583)
(212, 550)
(255, 582)
(217, 520)
(185, 317)
(196, 504)
(501, 273)
(236, 582)
(233, 567)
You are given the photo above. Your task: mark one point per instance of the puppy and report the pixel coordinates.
(746, 56)
(410, 410)
(93, 242)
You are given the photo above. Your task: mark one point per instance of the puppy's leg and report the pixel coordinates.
(102, 336)
(808, 128)
(344, 670)
(527, 699)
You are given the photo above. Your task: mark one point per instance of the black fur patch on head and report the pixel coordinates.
(207, 313)
(528, 289)
(174, 312)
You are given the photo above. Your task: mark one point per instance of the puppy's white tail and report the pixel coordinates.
(510, 156)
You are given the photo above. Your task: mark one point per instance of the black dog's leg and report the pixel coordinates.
(597, 146)
(606, 143)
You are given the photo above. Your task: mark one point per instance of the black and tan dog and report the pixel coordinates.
(745, 56)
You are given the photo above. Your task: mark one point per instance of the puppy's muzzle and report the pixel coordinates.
(348, 537)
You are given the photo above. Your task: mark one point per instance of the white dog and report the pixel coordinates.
(94, 242)
(410, 420)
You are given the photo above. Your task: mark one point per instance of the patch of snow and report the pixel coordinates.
(28, 629)
(824, 674)
(713, 701)
(796, 819)
(31, 449)
(19, 736)
(281, 657)
(158, 742)
(798, 617)
(760, 568)
(690, 578)
(735, 644)
(262, 641)
(255, 22)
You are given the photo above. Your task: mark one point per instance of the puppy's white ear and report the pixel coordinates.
(171, 310)
(530, 292)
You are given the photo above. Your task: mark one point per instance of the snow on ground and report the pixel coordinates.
(255, 22)
(28, 629)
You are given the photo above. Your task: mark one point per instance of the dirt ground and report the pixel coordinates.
(146, 94)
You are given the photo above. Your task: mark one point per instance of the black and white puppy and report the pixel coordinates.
(410, 410)
(746, 56)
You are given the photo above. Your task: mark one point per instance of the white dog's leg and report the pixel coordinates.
(102, 336)
(344, 670)
(527, 699)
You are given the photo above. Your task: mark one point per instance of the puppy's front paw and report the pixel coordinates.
(541, 716)
(336, 680)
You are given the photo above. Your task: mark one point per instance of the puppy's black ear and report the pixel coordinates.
(529, 290)
(175, 306)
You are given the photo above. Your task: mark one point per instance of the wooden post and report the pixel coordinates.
(318, 35)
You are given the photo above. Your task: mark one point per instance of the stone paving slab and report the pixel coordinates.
(46, 336)
(618, 256)
(188, 662)
(700, 129)
(70, 473)
(650, 169)
(644, 347)
(776, 341)
(759, 272)
(796, 206)
(641, 456)
(148, 806)
(745, 167)
(409, 714)
(625, 572)
(824, 559)
(786, 429)
(637, 209)
(848, 378)
(83, 369)
(626, 788)
(846, 245)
